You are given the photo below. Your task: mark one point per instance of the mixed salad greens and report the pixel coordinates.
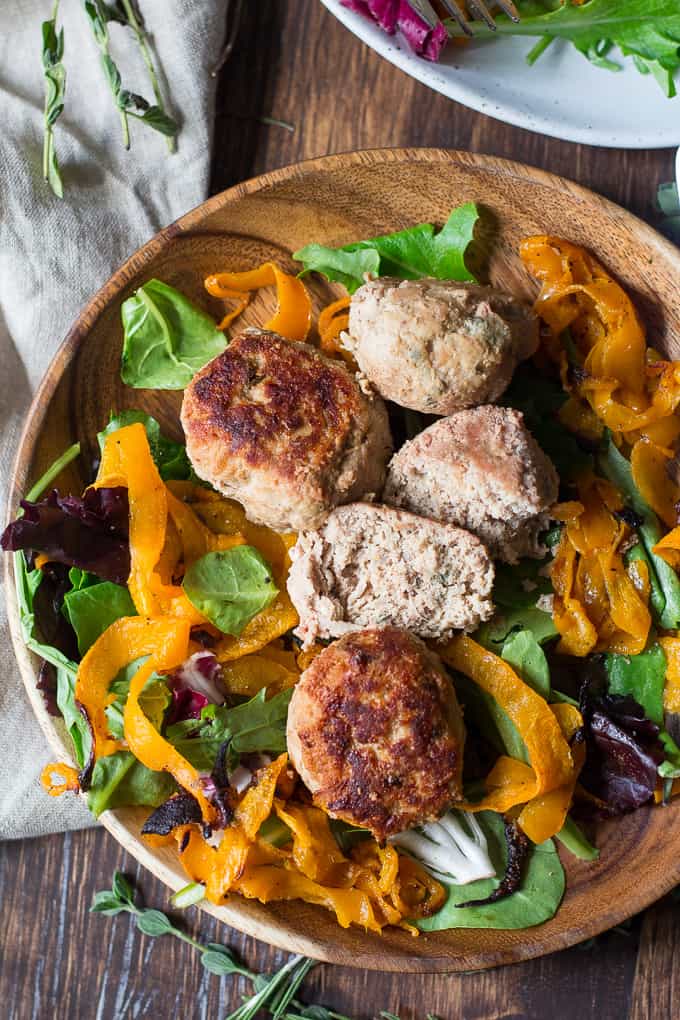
(162, 619)
(647, 31)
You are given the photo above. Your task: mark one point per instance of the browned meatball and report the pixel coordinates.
(482, 470)
(376, 733)
(437, 345)
(284, 430)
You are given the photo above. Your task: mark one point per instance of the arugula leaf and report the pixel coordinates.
(647, 30)
(93, 608)
(408, 254)
(166, 339)
(523, 652)
(230, 586)
(169, 457)
(153, 700)
(256, 725)
(75, 724)
(535, 901)
(573, 839)
(666, 584)
(120, 780)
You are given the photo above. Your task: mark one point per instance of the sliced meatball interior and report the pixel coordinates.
(372, 565)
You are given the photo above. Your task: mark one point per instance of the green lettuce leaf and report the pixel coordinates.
(535, 901)
(120, 780)
(94, 607)
(646, 30)
(408, 254)
(523, 652)
(169, 457)
(641, 676)
(255, 725)
(230, 587)
(166, 339)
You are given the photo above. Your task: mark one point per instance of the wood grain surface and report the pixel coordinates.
(295, 64)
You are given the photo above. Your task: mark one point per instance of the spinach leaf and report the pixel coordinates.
(617, 469)
(255, 725)
(230, 587)
(489, 718)
(27, 584)
(120, 780)
(535, 901)
(153, 700)
(495, 633)
(642, 676)
(519, 586)
(93, 608)
(408, 254)
(166, 339)
(523, 652)
(169, 457)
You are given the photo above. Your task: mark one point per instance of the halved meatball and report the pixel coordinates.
(284, 430)
(480, 469)
(376, 733)
(438, 346)
(371, 565)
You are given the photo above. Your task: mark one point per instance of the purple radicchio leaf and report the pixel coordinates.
(89, 532)
(47, 685)
(426, 36)
(52, 626)
(194, 685)
(518, 846)
(623, 752)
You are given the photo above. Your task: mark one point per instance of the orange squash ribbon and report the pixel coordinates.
(546, 785)
(334, 320)
(373, 888)
(625, 384)
(164, 643)
(600, 603)
(58, 777)
(293, 315)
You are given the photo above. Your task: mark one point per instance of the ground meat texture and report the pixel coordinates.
(438, 346)
(285, 431)
(483, 470)
(376, 733)
(372, 565)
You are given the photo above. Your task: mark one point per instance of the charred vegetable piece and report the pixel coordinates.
(181, 809)
(518, 849)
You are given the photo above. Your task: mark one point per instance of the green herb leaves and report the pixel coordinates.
(409, 254)
(230, 587)
(129, 104)
(54, 74)
(166, 339)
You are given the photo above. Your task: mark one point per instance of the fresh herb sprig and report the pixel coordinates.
(275, 993)
(129, 104)
(54, 73)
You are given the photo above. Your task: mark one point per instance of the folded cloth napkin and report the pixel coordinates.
(54, 254)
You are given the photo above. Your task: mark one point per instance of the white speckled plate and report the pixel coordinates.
(562, 95)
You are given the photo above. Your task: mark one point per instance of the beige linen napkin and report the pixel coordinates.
(55, 254)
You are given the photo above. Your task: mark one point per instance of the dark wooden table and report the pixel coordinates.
(295, 64)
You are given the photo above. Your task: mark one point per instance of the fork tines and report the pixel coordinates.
(479, 9)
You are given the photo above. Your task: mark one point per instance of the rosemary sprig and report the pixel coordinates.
(129, 104)
(54, 73)
(275, 993)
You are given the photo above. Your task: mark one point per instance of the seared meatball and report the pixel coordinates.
(284, 430)
(438, 346)
(371, 565)
(376, 733)
(483, 470)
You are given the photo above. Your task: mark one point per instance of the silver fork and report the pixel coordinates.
(478, 9)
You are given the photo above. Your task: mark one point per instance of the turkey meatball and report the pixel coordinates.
(438, 346)
(482, 470)
(371, 565)
(284, 430)
(376, 733)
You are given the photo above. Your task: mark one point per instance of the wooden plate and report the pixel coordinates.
(333, 201)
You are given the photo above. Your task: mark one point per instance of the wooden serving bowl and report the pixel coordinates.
(333, 201)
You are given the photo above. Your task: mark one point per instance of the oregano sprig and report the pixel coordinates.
(275, 993)
(54, 73)
(129, 104)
